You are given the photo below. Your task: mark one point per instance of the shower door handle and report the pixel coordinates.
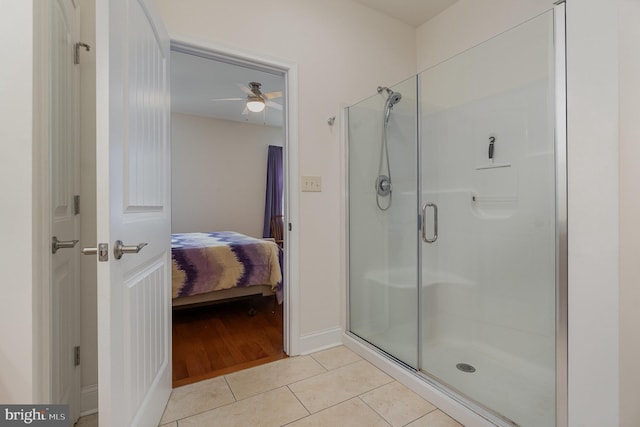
(424, 222)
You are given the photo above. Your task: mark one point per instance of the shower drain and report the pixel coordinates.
(465, 367)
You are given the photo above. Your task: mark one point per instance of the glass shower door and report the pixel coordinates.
(489, 247)
(383, 245)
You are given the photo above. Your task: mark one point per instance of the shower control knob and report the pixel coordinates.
(383, 185)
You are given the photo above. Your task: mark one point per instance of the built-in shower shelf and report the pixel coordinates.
(493, 166)
(493, 207)
(493, 199)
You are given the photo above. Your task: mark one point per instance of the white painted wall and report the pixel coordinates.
(629, 35)
(343, 51)
(592, 113)
(219, 174)
(17, 361)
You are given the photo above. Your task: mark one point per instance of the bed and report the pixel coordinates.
(221, 265)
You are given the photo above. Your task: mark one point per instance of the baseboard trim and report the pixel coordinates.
(89, 400)
(320, 340)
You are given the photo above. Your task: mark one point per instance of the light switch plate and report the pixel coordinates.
(312, 183)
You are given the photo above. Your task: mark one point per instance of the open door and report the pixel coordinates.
(63, 77)
(133, 204)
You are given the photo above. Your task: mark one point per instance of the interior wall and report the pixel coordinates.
(629, 16)
(343, 51)
(17, 334)
(219, 174)
(592, 120)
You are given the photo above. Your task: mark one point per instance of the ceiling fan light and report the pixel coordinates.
(255, 104)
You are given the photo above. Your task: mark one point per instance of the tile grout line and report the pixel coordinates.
(312, 376)
(342, 401)
(236, 400)
(341, 366)
(230, 389)
(177, 420)
(222, 406)
(303, 379)
(303, 405)
(370, 407)
(282, 385)
(435, 408)
(309, 413)
(337, 367)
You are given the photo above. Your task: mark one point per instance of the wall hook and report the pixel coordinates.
(331, 120)
(76, 53)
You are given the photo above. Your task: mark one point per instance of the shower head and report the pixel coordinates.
(392, 99)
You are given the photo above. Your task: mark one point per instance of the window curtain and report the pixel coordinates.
(273, 200)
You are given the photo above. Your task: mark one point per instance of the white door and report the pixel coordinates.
(64, 24)
(133, 205)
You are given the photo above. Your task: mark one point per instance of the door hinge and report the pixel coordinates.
(290, 227)
(76, 356)
(76, 52)
(76, 204)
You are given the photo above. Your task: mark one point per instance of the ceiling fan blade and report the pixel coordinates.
(245, 111)
(274, 105)
(273, 95)
(227, 99)
(245, 89)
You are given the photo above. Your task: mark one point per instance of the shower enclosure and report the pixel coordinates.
(457, 223)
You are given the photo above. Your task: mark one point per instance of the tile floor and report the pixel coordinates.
(88, 421)
(333, 387)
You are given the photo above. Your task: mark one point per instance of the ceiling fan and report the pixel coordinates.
(256, 101)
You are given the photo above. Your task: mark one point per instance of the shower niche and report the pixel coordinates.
(452, 269)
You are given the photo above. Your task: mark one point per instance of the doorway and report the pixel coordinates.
(227, 188)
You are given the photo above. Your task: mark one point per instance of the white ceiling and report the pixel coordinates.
(412, 12)
(196, 81)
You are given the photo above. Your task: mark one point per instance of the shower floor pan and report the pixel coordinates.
(510, 386)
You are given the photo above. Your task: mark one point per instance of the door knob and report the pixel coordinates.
(120, 249)
(61, 244)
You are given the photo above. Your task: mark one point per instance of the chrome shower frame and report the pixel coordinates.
(561, 246)
(562, 254)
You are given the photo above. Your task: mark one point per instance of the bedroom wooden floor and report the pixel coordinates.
(218, 339)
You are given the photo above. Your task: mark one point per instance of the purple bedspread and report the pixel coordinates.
(205, 262)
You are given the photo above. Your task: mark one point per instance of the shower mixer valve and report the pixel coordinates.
(492, 140)
(383, 185)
